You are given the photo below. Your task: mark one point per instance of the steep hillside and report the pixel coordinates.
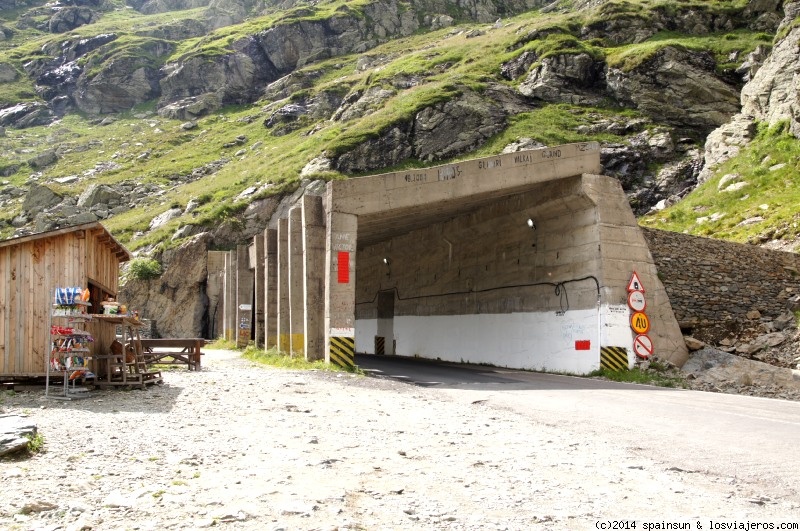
(165, 118)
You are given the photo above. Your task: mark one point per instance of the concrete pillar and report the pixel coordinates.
(244, 296)
(340, 286)
(215, 290)
(297, 331)
(284, 345)
(260, 277)
(271, 288)
(230, 296)
(314, 277)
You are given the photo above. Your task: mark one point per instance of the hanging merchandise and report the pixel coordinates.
(69, 343)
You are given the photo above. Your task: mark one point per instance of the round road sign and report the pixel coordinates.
(643, 346)
(640, 323)
(636, 301)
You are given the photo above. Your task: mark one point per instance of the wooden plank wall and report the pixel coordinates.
(28, 273)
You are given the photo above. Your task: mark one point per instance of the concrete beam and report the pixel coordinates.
(413, 199)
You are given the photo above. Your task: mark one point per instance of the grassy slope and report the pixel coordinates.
(769, 166)
(446, 59)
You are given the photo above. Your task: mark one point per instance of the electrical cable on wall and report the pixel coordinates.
(560, 289)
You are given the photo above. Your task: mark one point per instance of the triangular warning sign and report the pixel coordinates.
(635, 284)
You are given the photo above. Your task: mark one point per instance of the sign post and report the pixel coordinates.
(640, 323)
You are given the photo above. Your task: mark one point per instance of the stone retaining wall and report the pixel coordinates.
(712, 282)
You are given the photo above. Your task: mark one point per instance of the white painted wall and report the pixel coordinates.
(542, 341)
(615, 328)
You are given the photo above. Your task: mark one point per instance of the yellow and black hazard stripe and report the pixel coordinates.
(343, 351)
(380, 345)
(614, 358)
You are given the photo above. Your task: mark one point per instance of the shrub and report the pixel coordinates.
(144, 269)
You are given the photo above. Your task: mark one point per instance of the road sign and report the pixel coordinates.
(643, 346)
(635, 284)
(636, 301)
(640, 323)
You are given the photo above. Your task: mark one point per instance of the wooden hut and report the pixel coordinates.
(30, 268)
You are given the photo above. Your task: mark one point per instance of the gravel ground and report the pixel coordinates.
(240, 446)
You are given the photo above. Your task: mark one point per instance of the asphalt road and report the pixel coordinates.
(752, 438)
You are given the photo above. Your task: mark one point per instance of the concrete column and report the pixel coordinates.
(314, 277)
(271, 288)
(284, 345)
(340, 286)
(297, 331)
(230, 296)
(260, 277)
(215, 290)
(244, 296)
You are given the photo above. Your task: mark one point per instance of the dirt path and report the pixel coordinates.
(239, 446)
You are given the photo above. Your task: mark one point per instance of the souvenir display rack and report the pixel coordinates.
(69, 354)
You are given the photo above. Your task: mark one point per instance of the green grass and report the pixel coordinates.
(721, 45)
(446, 61)
(772, 193)
(275, 358)
(639, 376)
(35, 443)
(222, 344)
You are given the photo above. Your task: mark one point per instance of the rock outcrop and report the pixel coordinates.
(176, 301)
(677, 87)
(435, 133)
(770, 96)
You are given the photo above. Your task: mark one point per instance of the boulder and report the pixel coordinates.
(39, 198)
(99, 194)
(25, 114)
(68, 18)
(693, 344)
(722, 371)
(7, 73)
(191, 108)
(45, 158)
(286, 119)
(15, 433)
(762, 342)
(165, 217)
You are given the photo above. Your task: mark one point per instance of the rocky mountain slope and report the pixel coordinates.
(169, 119)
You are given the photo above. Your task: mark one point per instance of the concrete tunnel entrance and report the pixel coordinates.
(522, 260)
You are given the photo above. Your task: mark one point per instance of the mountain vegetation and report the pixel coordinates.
(166, 118)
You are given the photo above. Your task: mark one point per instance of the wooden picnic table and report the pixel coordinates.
(158, 350)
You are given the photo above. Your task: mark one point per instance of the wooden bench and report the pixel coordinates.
(158, 350)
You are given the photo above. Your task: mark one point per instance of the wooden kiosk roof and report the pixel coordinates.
(103, 236)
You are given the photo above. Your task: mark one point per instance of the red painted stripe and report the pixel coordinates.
(344, 267)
